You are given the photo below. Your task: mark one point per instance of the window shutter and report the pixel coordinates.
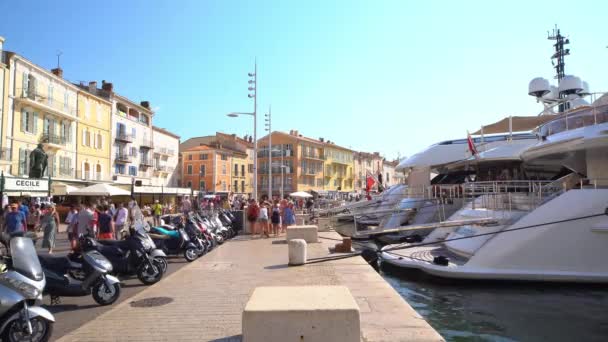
(21, 160)
(101, 142)
(84, 133)
(23, 120)
(24, 85)
(69, 132)
(95, 141)
(35, 123)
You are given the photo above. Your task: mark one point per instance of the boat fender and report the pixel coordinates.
(441, 260)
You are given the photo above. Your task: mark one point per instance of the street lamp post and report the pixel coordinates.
(253, 83)
(269, 129)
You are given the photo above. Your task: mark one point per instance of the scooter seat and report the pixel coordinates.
(58, 264)
(122, 244)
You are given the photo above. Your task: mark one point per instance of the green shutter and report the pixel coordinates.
(24, 85)
(23, 120)
(35, 123)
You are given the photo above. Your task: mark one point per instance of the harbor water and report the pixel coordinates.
(506, 311)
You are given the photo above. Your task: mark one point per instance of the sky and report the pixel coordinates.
(386, 76)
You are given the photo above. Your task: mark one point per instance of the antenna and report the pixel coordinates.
(59, 53)
(559, 55)
(560, 52)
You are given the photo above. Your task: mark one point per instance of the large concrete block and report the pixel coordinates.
(307, 233)
(298, 313)
(297, 252)
(324, 224)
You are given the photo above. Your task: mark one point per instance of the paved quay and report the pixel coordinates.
(204, 300)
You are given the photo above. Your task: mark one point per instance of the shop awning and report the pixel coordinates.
(101, 189)
(62, 189)
(161, 190)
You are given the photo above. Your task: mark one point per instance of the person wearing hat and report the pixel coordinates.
(157, 210)
(49, 223)
(15, 220)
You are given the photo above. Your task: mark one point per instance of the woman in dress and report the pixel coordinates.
(49, 222)
(275, 219)
(289, 217)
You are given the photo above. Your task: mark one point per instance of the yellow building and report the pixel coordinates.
(338, 168)
(5, 155)
(42, 109)
(93, 135)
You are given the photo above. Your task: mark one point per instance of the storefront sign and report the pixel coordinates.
(25, 184)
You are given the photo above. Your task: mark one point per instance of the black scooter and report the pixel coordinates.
(175, 240)
(91, 278)
(128, 257)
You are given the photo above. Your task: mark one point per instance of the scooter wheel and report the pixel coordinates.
(41, 330)
(104, 295)
(190, 254)
(150, 274)
(162, 262)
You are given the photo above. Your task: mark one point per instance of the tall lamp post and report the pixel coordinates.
(253, 82)
(269, 129)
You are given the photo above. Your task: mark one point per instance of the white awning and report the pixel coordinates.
(101, 189)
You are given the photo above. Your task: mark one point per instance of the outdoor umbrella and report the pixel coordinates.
(100, 190)
(300, 194)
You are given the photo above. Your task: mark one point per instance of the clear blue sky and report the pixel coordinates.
(388, 76)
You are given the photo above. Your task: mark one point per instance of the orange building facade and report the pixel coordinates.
(207, 168)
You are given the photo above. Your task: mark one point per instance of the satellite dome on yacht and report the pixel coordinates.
(585, 90)
(570, 85)
(577, 102)
(552, 95)
(539, 87)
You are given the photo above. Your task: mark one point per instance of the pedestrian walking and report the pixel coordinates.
(24, 209)
(157, 210)
(263, 219)
(72, 221)
(49, 223)
(106, 224)
(120, 219)
(86, 221)
(275, 219)
(289, 216)
(33, 220)
(15, 221)
(253, 211)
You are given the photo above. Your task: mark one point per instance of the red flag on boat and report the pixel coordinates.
(472, 147)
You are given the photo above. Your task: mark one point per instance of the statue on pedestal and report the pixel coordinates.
(38, 162)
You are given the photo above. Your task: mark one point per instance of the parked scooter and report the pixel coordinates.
(21, 285)
(175, 242)
(130, 257)
(95, 278)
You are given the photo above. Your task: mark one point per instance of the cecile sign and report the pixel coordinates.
(25, 184)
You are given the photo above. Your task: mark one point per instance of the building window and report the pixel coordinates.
(250, 168)
(24, 161)
(189, 157)
(224, 186)
(242, 170)
(203, 156)
(133, 170)
(29, 121)
(224, 157)
(134, 132)
(190, 184)
(236, 170)
(236, 186)
(189, 169)
(224, 169)
(243, 186)
(202, 170)
(119, 169)
(201, 186)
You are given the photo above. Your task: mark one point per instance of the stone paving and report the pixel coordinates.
(207, 297)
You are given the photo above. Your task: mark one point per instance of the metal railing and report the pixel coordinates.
(123, 157)
(124, 137)
(53, 139)
(147, 143)
(35, 95)
(164, 150)
(145, 162)
(584, 117)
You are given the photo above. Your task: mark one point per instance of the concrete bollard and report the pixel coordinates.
(297, 252)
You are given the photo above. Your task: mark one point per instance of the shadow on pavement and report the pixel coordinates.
(276, 267)
(235, 338)
(68, 307)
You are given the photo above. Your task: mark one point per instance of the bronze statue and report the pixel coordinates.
(38, 162)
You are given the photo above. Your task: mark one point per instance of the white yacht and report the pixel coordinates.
(573, 145)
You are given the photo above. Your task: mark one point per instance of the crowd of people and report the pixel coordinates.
(266, 217)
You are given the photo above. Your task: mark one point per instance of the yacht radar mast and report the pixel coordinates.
(559, 57)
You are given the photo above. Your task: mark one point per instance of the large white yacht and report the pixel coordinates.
(567, 218)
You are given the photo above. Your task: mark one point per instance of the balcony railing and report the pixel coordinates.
(146, 162)
(313, 156)
(123, 158)
(148, 144)
(163, 168)
(124, 137)
(36, 96)
(54, 139)
(576, 119)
